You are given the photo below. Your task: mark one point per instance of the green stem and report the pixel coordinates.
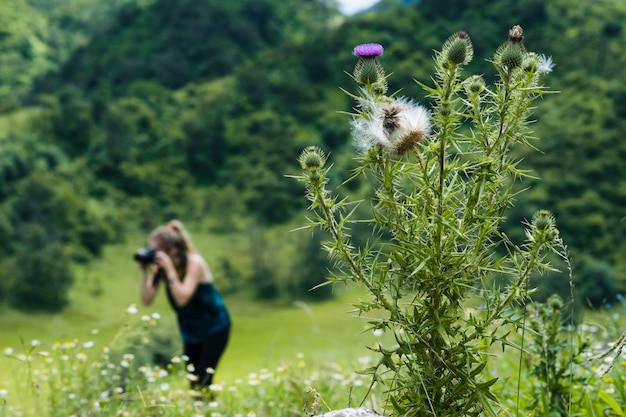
(337, 235)
(451, 77)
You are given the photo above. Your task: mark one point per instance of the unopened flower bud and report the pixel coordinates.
(543, 227)
(543, 220)
(312, 159)
(555, 302)
(474, 84)
(531, 61)
(511, 55)
(516, 34)
(458, 49)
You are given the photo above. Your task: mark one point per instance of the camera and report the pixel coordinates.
(145, 255)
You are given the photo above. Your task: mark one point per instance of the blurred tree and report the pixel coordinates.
(40, 273)
(310, 267)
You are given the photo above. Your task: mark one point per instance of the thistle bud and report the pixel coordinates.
(543, 227)
(474, 84)
(543, 220)
(516, 34)
(531, 62)
(444, 109)
(312, 159)
(512, 53)
(555, 302)
(458, 49)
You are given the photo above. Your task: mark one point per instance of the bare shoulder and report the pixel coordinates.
(198, 261)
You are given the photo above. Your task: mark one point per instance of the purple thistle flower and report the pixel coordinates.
(368, 50)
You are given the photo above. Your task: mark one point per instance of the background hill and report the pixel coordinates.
(119, 117)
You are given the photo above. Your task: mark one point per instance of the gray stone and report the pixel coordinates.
(350, 412)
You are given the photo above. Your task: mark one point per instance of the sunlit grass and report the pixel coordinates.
(283, 360)
(78, 377)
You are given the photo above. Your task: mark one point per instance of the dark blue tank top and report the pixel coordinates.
(204, 315)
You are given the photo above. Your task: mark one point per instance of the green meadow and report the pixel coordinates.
(284, 358)
(265, 335)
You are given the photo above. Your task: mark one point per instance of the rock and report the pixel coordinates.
(350, 412)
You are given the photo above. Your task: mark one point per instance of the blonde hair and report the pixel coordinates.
(174, 235)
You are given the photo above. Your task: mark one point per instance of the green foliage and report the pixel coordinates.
(310, 269)
(557, 361)
(39, 273)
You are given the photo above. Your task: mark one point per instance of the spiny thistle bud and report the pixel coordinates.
(512, 53)
(368, 70)
(474, 84)
(312, 159)
(458, 49)
(543, 227)
(543, 220)
(531, 62)
(555, 302)
(444, 109)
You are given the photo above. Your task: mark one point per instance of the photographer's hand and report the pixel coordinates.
(162, 260)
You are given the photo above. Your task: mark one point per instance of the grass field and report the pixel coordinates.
(266, 337)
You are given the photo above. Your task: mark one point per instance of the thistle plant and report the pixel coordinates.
(442, 180)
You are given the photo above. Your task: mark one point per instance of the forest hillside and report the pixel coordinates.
(117, 116)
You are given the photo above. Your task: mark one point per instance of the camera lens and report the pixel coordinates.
(145, 255)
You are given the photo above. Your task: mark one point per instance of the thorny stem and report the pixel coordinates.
(330, 221)
(442, 157)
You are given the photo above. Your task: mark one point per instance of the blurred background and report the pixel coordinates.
(117, 116)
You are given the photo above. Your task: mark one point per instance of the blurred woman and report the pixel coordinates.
(203, 319)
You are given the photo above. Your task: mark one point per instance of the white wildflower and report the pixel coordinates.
(398, 126)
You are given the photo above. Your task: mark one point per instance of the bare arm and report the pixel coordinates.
(148, 284)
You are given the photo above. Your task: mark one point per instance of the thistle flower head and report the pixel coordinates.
(368, 70)
(397, 126)
(368, 50)
(555, 302)
(537, 64)
(312, 160)
(510, 55)
(543, 220)
(458, 49)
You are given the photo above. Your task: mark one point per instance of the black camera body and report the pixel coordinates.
(145, 255)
